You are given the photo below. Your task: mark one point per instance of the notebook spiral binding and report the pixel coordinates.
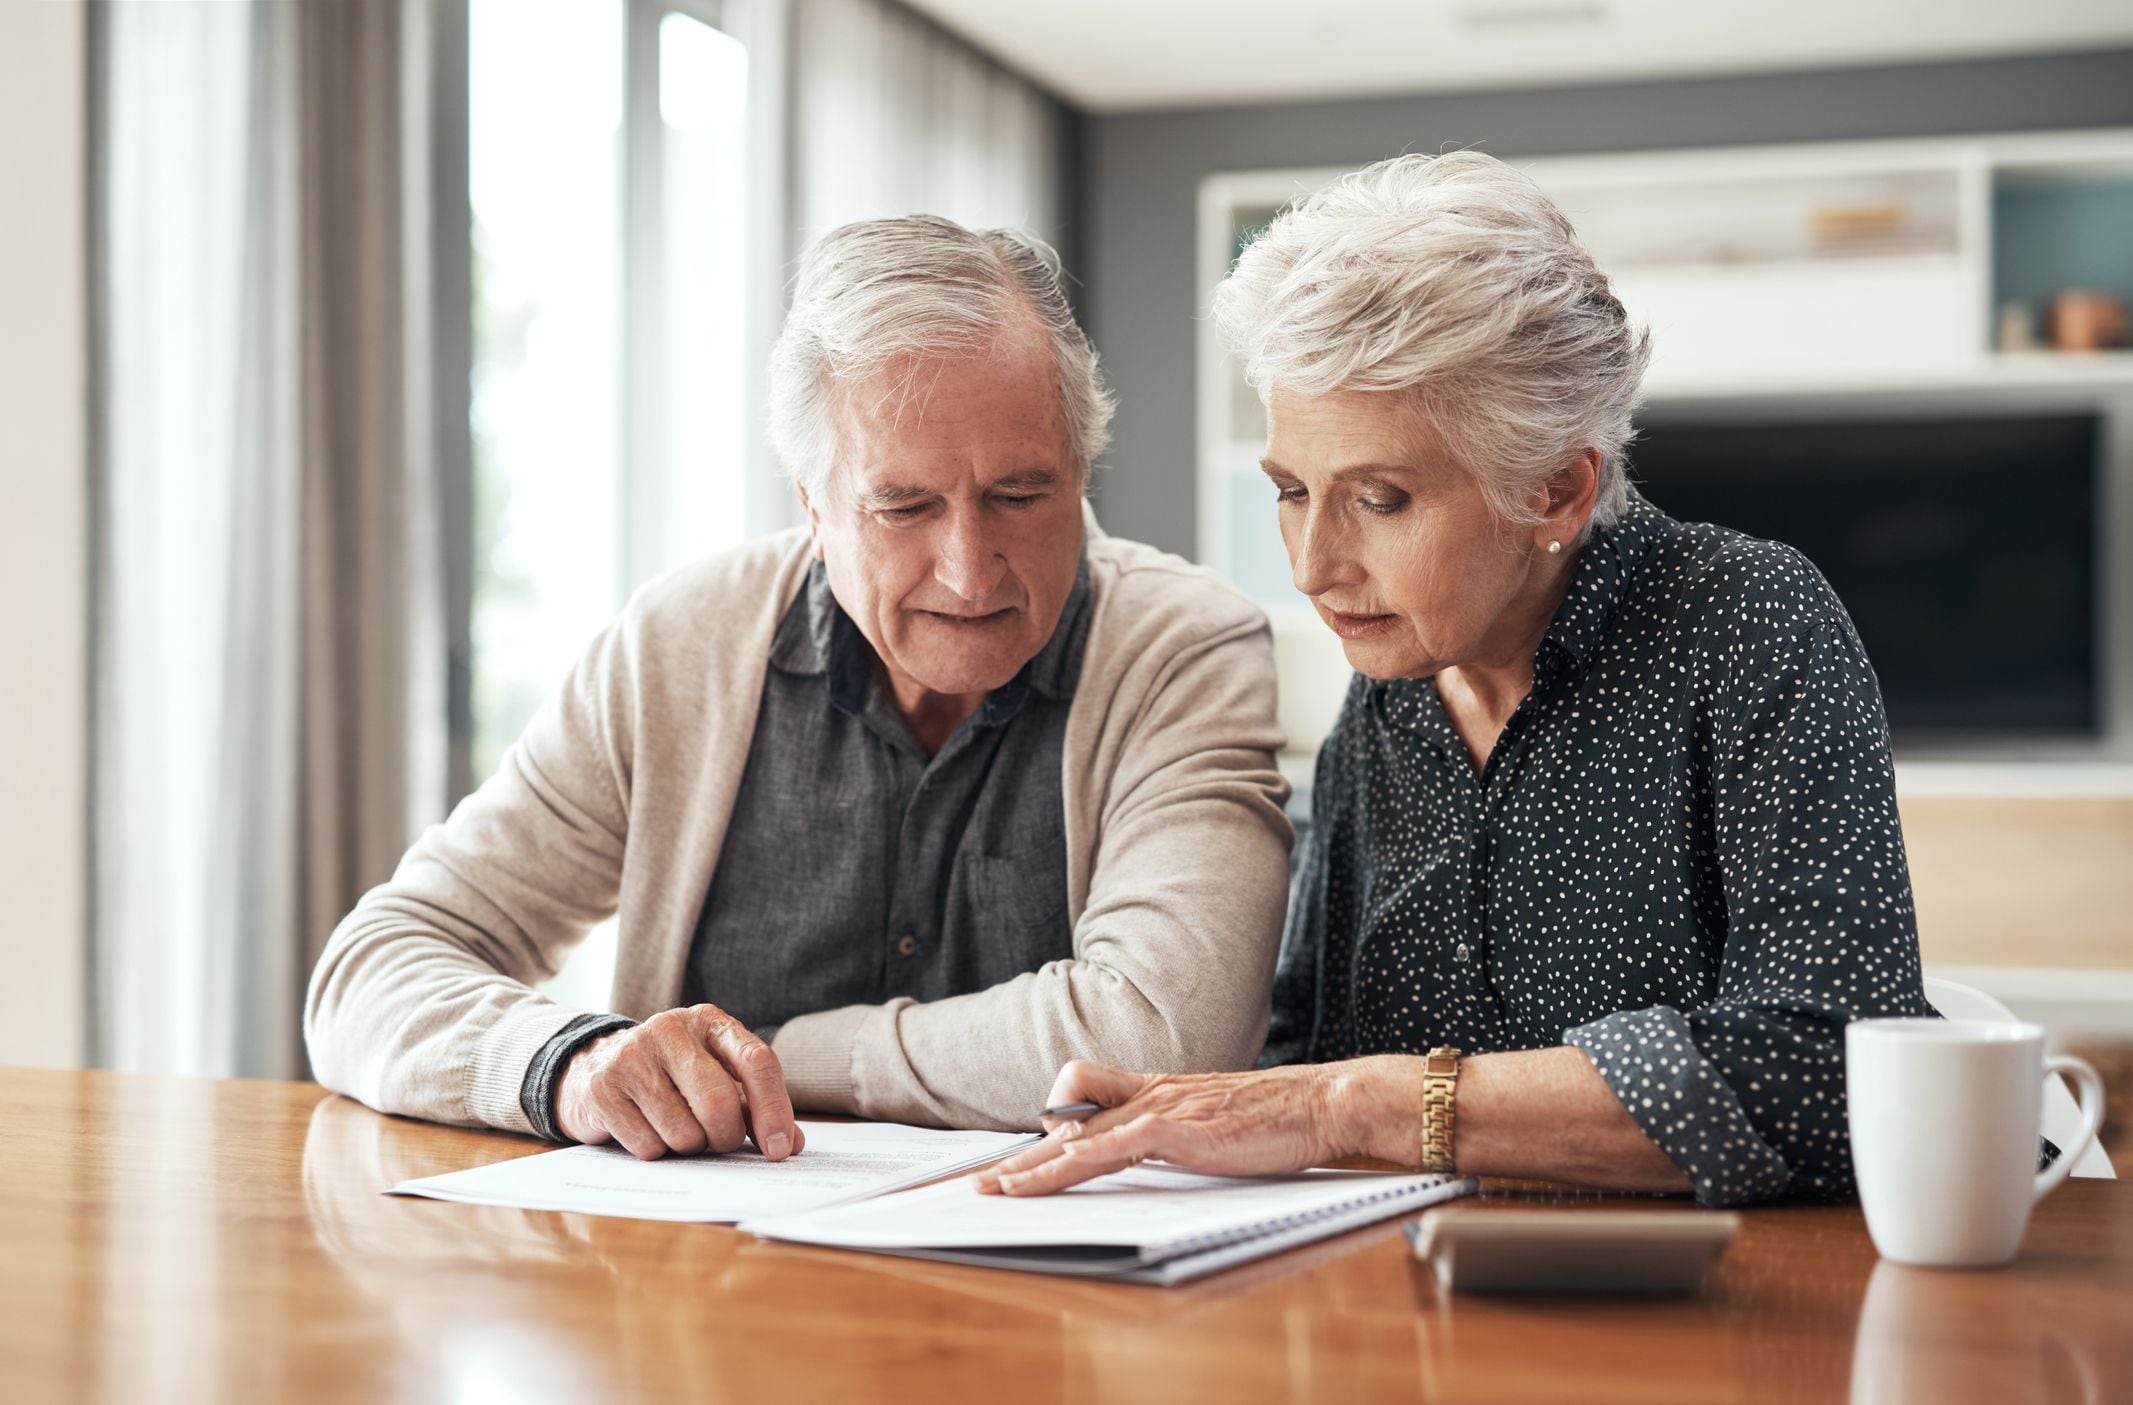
(1202, 1243)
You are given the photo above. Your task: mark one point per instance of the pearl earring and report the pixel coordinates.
(1554, 547)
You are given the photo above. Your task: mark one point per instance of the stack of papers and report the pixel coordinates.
(844, 1161)
(1151, 1224)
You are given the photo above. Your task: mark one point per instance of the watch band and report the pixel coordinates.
(1440, 1086)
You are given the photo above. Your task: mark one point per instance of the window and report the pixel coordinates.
(544, 166)
(690, 246)
(617, 333)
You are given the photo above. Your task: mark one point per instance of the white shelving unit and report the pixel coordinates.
(1832, 273)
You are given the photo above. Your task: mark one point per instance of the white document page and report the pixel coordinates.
(1153, 1209)
(843, 1161)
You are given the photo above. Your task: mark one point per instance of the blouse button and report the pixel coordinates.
(907, 945)
(1461, 952)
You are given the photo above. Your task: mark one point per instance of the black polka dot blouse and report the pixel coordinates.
(1682, 857)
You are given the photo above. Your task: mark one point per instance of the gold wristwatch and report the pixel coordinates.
(1440, 1084)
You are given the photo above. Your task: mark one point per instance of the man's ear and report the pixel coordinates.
(814, 518)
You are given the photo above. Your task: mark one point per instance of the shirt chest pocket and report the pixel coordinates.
(1016, 909)
(1027, 888)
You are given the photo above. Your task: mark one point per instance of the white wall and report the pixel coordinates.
(43, 533)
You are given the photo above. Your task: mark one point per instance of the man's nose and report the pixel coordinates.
(968, 562)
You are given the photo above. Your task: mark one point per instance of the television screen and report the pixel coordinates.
(1965, 550)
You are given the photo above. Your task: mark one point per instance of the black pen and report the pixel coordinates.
(1077, 1112)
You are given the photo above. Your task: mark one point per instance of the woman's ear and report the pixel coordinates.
(1573, 490)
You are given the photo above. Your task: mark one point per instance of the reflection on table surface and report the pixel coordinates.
(191, 1239)
(1939, 1334)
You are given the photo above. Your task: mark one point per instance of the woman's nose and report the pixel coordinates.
(1316, 560)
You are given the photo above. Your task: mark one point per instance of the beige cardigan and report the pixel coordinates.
(617, 797)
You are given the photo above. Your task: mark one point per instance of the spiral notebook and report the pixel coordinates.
(1150, 1224)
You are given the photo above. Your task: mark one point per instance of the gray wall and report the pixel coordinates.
(1140, 176)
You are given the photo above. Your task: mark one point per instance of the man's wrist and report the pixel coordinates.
(544, 1074)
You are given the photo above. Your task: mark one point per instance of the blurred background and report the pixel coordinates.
(358, 357)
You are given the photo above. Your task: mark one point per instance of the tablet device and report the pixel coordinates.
(1643, 1253)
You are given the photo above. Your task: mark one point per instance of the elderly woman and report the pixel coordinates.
(1605, 850)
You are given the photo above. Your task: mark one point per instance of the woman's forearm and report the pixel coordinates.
(1543, 1114)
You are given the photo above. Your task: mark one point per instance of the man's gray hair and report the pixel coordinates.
(1452, 279)
(890, 295)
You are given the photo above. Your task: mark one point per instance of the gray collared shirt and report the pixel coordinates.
(856, 869)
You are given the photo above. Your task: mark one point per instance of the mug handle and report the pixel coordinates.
(2090, 1096)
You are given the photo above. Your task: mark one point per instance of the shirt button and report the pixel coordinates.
(1460, 953)
(907, 945)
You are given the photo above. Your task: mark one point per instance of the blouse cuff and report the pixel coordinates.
(1683, 1104)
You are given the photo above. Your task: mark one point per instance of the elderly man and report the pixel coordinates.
(899, 812)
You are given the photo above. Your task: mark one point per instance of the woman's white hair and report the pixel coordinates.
(1452, 279)
(891, 295)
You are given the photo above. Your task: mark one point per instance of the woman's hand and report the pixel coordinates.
(1540, 1114)
(1234, 1124)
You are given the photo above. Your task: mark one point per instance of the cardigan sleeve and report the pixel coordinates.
(1746, 1093)
(1174, 948)
(422, 1002)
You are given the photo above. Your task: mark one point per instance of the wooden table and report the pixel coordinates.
(172, 1239)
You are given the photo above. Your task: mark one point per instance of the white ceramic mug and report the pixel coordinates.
(1945, 1116)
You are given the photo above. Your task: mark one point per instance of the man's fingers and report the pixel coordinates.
(751, 1062)
(712, 1097)
(1086, 1158)
(799, 1133)
(664, 1107)
(626, 1125)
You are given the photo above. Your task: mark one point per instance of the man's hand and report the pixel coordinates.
(686, 1081)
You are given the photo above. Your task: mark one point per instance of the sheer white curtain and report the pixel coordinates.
(197, 299)
(893, 116)
(268, 650)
